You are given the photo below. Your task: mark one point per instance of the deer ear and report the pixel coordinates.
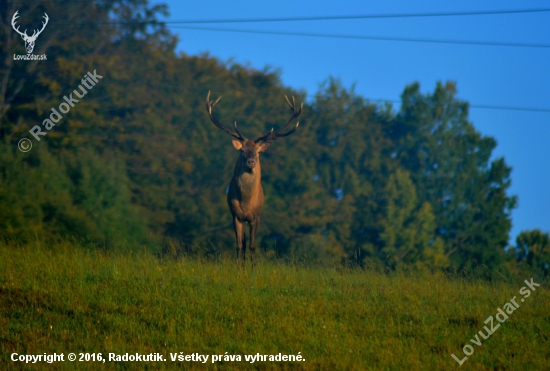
(237, 144)
(264, 146)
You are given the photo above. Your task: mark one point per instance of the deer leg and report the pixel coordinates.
(239, 235)
(253, 230)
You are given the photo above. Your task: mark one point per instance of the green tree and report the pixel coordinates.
(85, 197)
(34, 195)
(533, 249)
(409, 226)
(449, 162)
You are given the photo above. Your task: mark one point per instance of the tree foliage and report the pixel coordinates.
(137, 160)
(533, 248)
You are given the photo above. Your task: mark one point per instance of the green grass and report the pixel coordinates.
(64, 299)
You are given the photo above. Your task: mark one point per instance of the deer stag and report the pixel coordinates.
(246, 196)
(29, 40)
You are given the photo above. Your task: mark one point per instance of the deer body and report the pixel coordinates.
(246, 196)
(245, 199)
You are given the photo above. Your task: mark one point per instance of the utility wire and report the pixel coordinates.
(480, 106)
(509, 108)
(327, 18)
(477, 106)
(318, 18)
(357, 37)
(371, 100)
(364, 16)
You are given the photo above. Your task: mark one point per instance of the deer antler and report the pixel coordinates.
(235, 134)
(280, 133)
(13, 19)
(43, 26)
(24, 34)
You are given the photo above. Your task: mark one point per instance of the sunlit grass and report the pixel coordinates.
(67, 299)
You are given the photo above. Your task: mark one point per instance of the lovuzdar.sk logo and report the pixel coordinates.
(29, 40)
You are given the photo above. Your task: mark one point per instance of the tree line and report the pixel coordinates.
(137, 162)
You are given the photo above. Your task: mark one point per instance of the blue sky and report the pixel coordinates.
(485, 75)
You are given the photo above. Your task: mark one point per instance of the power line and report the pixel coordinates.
(345, 17)
(364, 16)
(509, 108)
(330, 18)
(319, 18)
(357, 37)
(477, 106)
(324, 18)
(377, 100)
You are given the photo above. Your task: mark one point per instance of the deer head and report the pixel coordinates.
(251, 149)
(29, 40)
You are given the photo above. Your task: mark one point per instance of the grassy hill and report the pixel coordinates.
(63, 299)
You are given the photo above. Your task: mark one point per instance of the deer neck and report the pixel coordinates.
(248, 180)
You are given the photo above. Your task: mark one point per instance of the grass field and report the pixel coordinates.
(63, 299)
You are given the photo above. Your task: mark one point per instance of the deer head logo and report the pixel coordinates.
(29, 40)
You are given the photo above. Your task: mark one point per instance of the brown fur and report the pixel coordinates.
(246, 196)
